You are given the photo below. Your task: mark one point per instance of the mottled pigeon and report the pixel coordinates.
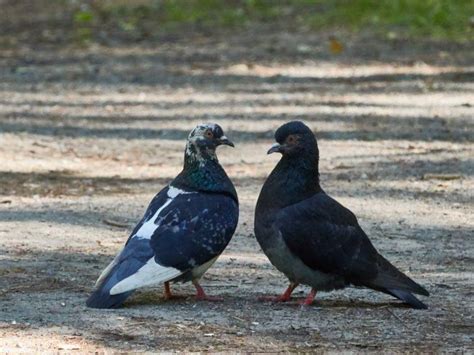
(186, 227)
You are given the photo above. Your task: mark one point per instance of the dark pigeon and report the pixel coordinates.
(313, 239)
(185, 228)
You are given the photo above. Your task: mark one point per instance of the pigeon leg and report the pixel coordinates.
(309, 299)
(201, 295)
(168, 294)
(283, 297)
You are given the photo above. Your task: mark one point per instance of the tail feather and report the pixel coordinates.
(101, 297)
(107, 270)
(408, 298)
(133, 268)
(390, 278)
(130, 260)
(392, 281)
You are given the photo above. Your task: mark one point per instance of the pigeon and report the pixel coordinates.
(185, 228)
(313, 239)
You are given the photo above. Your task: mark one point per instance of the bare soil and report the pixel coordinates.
(88, 136)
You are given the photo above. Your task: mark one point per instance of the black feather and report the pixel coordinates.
(389, 277)
(135, 254)
(407, 297)
(101, 297)
(311, 237)
(194, 230)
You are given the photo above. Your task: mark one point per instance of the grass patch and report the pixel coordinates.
(417, 18)
(437, 19)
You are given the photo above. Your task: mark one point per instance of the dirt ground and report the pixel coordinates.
(88, 136)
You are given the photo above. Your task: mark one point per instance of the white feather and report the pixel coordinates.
(149, 227)
(149, 274)
(198, 271)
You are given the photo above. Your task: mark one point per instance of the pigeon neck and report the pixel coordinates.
(293, 180)
(304, 169)
(307, 162)
(193, 155)
(197, 161)
(204, 173)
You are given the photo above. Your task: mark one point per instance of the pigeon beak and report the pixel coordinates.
(224, 140)
(275, 148)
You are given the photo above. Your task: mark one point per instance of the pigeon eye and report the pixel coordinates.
(291, 139)
(209, 134)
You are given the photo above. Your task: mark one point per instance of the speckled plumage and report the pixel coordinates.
(185, 228)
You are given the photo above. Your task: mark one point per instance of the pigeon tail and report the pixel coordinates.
(101, 297)
(407, 297)
(390, 278)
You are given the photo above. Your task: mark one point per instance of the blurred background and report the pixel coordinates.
(118, 21)
(98, 97)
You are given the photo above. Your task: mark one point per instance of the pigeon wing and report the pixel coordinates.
(326, 237)
(187, 232)
(194, 230)
(158, 201)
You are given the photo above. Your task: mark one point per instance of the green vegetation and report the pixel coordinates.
(434, 18)
(83, 25)
(414, 18)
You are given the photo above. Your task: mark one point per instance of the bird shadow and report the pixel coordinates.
(155, 297)
(340, 304)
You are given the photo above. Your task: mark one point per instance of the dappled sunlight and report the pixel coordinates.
(90, 133)
(163, 97)
(13, 336)
(323, 70)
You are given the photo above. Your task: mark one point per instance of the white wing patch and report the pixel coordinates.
(198, 271)
(149, 274)
(149, 227)
(152, 272)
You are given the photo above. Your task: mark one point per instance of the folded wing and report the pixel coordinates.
(180, 231)
(327, 237)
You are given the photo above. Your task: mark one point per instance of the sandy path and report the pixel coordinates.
(92, 136)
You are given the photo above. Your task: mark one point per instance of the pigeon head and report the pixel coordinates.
(295, 139)
(201, 170)
(296, 176)
(203, 141)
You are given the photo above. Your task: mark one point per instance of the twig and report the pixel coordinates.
(445, 177)
(115, 223)
(397, 317)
